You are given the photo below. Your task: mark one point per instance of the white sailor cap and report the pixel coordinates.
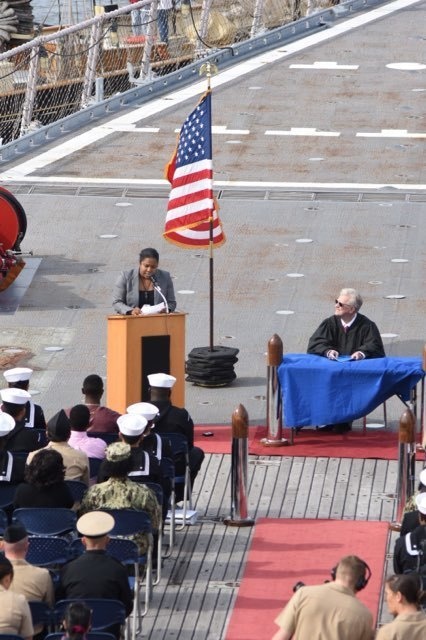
(15, 396)
(131, 424)
(162, 380)
(7, 423)
(422, 476)
(421, 502)
(144, 409)
(18, 374)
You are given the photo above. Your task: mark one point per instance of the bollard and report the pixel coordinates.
(273, 395)
(406, 464)
(239, 464)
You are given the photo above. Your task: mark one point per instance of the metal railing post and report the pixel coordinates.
(406, 464)
(274, 404)
(92, 61)
(239, 466)
(30, 94)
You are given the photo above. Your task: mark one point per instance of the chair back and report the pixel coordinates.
(46, 521)
(157, 489)
(167, 467)
(44, 551)
(7, 493)
(10, 636)
(109, 438)
(105, 612)
(77, 488)
(3, 521)
(94, 464)
(129, 522)
(41, 613)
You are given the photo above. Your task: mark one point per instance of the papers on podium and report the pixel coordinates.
(148, 310)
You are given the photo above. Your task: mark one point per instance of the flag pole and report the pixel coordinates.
(208, 69)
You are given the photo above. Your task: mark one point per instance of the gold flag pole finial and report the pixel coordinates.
(208, 69)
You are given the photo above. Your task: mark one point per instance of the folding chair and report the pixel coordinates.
(41, 613)
(10, 636)
(46, 521)
(94, 464)
(158, 490)
(105, 612)
(7, 493)
(179, 445)
(128, 522)
(47, 551)
(168, 469)
(91, 635)
(77, 488)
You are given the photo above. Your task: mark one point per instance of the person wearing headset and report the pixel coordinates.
(330, 610)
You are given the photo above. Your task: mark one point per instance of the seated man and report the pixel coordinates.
(11, 467)
(32, 582)
(102, 419)
(173, 419)
(409, 550)
(14, 402)
(95, 574)
(19, 378)
(346, 333)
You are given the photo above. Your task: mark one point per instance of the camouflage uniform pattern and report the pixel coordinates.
(122, 493)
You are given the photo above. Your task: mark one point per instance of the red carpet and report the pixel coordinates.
(286, 551)
(380, 444)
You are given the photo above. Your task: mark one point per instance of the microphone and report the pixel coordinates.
(158, 288)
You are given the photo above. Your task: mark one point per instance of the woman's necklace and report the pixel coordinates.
(145, 289)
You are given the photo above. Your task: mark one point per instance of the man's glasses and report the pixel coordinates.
(341, 304)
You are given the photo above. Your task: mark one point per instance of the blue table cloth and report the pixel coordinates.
(318, 391)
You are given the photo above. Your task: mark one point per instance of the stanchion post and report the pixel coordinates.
(274, 404)
(406, 464)
(239, 466)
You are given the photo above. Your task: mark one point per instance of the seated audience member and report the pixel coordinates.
(102, 419)
(403, 595)
(19, 378)
(329, 611)
(32, 582)
(95, 574)
(15, 614)
(119, 492)
(11, 467)
(411, 514)
(408, 553)
(20, 438)
(151, 442)
(77, 621)
(346, 333)
(79, 421)
(173, 419)
(76, 462)
(45, 484)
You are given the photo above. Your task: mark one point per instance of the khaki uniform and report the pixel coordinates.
(327, 611)
(406, 626)
(32, 582)
(76, 462)
(15, 614)
(122, 493)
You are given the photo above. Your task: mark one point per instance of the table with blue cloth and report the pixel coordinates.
(316, 390)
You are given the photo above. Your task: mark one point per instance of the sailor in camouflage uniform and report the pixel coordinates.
(119, 492)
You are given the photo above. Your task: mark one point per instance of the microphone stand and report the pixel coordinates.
(158, 288)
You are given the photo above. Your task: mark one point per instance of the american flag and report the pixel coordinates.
(192, 206)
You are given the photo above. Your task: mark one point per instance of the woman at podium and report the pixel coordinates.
(144, 290)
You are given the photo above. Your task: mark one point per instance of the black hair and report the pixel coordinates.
(118, 469)
(130, 439)
(409, 586)
(6, 567)
(93, 384)
(79, 417)
(20, 384)
(45, 469)
(149, 252)
(12, 409)
(77, 619)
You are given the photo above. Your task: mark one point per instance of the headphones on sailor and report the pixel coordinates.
(362, 581)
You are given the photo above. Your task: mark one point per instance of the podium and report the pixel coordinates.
(138, 346)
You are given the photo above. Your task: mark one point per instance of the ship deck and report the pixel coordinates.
(319, 161)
